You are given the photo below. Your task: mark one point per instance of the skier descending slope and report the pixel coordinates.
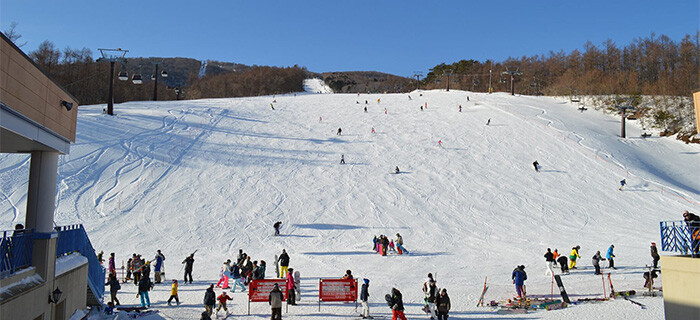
(536, 165)
(623, 182)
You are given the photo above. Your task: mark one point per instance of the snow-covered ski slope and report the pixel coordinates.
(214, 175)
(316, 85)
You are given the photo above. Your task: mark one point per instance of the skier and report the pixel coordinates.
(443, 305)
(396, 304)
(409, 98)
(188, 262)
(160, 257)
(399, 244)
(263, 267)
(573, 256)
(623, 182)
(342, 159)
(365, 109)
(365, 101)
(385, 111)
(430, 290)
(223, 297)
(379, 100)
(460, 108)
(488, 121)
(320, 119)
(467, 98)
(655, 255)
(440, 143)
(271, 106)
(397, 170)
(277, 226)
(340, 132)
(364, 296)
(536, 165)
(284, 263)
(290, 288)
(373, 130)
(596, 262)
(421, 108)
(275, 300)
(563, 263)
(114, 287)
(145, 285)
(173, 293)
(549, 260)
(610, 255)
(209, 300)
(519, 276)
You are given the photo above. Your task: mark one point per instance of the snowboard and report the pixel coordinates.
(277, 266)
(635, 302)
(389, 300)
(297, 285)
(564, 295)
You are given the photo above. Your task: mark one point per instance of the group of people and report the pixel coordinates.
(383, 245)
(242, 272)
(139, 270)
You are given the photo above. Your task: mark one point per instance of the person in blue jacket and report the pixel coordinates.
(158, 269)
(610, 255)
(519, 277)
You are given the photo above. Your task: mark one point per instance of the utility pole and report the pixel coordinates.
(512, 78)
(623, 110)
(448, 73)
(417, 75)
(490, 87)
(113, 56)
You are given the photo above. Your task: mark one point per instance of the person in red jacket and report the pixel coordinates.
(223, 297)
(291, 296)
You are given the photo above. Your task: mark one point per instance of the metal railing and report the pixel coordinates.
(681, 237)
(15, 251)
(74, 238)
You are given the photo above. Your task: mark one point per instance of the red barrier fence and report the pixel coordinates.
(259, 290)
(337, 290)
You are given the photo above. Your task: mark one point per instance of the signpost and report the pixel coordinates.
(337, 290)
(259, 290)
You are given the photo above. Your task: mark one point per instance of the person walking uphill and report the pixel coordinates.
(364, 296)
(395, 301)
(610, 255)
(519, 276)
(209, 300)
(596, 262)
(275, 300)
(284, 263)
(573, 256)
(188, 262)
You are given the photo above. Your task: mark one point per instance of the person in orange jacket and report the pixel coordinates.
(223, 297)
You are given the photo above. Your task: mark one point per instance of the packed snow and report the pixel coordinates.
(214, 175)
(316, 85)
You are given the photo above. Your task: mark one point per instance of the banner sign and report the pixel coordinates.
(259, 290)
(337, 290)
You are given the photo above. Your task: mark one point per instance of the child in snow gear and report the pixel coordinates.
(596, 262)
(573, 256)
(610, 255)
(395, 301)
(224, 275)
(223, 297)
(173, 293)
(392, 248)
(275, 300)
(563, 263)
(342, 159)
(549, 261)
(364, 295)
(649, 277)
(114, 287)
(188, 262)
(443, 305)
(536, 165)
(209, 300)
(519, 276)
(655, 254)
(284, 263)
(277, 226)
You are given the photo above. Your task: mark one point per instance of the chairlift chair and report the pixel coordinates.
(136, 79)
(575, 99)
(164, 74)
(123, 76)
(153, 77)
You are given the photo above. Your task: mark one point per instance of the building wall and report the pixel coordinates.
(681, 283)
(74, 286)
(26, 89)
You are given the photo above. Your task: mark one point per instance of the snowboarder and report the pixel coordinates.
(160, 258)
(536, 165)
(173, 293)
(443, 305)
(655, 254)
(397, 170)
(277, 226)
(573, 256)
(610, 255)
(209, 300)
(340, 132)
(271, 106)
(596, 262)
(364, 296)
(519, 276)
(623, 182)
(284, 263)
(395, 301)
(145, 285)
(188, 262)
(563, 263)
(549, 260)
(114, 287)
(223, 297)
(342, 159)
(488, 121)
(430, 290)
(399, 244)
(290, 288)
(275, 300)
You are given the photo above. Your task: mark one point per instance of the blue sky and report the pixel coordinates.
(391, 36)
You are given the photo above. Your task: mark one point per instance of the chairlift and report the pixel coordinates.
(153, 77)
(123, 76)
(575, 99)
(136, 79)
(164, 74)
